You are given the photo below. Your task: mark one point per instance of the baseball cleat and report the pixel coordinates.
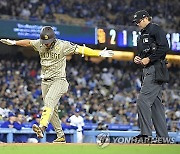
(38, 131)
(60, 140)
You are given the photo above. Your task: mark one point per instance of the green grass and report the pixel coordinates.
(87, 149)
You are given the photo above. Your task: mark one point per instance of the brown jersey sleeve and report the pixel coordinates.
(69, 47)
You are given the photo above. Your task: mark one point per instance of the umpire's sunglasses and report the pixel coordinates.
(138, 21)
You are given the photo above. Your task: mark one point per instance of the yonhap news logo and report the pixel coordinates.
(144, 140)
(103, 140)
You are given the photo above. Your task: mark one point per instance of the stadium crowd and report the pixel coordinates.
(105, 93)
(94, 13)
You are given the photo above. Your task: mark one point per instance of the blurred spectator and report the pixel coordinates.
(19, 124)
(36, 120)
(10, 122)
(3, 110)
(10, 108)
(91, 13)
(87, 118)
(99, 102)
(102, 126)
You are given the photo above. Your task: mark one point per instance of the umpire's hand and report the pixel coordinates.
(137, 60)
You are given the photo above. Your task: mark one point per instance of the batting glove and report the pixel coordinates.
(8, 41)
(106, 53)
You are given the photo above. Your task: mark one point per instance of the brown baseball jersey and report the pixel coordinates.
(53, 61)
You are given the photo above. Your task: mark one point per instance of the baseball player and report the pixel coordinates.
(78, 121)
(53, 54)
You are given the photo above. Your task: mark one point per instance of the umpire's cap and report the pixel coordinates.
(47, 35)
(140, 15)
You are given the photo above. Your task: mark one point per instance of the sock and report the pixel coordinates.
(45, 118)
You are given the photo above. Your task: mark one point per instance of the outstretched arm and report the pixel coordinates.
(90, 52)
(23, 43)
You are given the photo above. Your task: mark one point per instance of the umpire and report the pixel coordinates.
(152, 47)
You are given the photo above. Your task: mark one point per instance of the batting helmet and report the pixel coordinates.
(47, 35)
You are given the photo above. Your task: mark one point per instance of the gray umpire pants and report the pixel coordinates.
(149, 105)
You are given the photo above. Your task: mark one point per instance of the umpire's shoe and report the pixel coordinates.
(38, 131)
(141, 139)
(60, 140)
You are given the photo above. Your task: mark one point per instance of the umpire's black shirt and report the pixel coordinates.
(152, 43)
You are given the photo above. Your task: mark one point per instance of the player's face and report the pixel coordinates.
(48, 45)
(76, 114)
